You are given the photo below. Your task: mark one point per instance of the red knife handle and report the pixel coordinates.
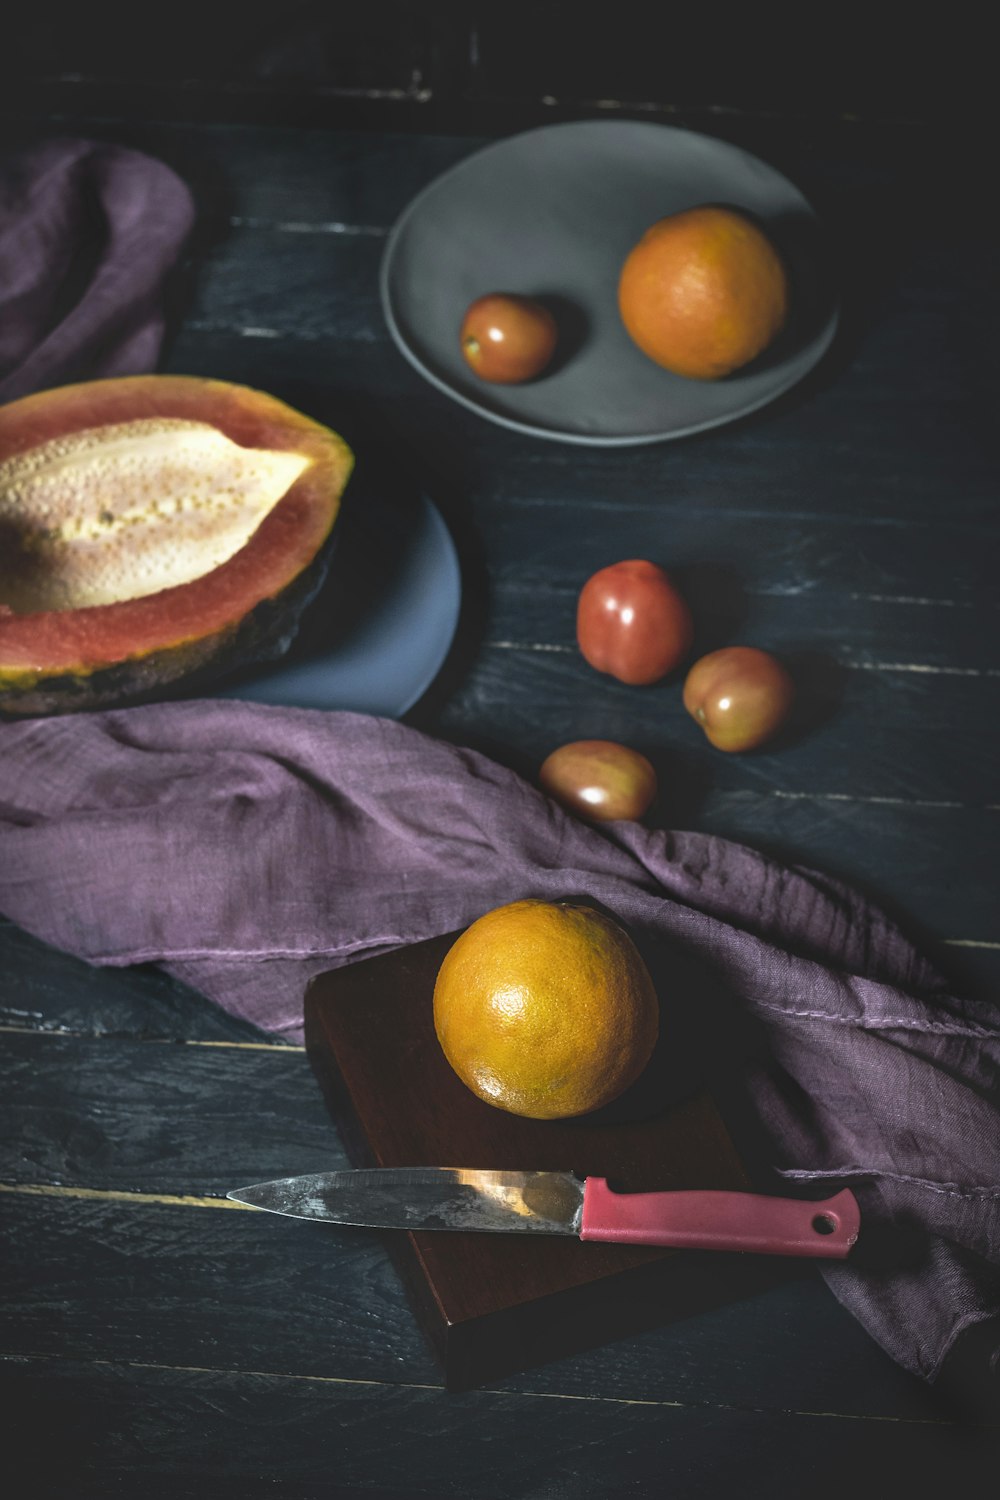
(710, 1220)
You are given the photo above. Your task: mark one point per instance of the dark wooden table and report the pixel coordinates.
(155, 1345)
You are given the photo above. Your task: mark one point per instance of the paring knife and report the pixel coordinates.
(459, 1198)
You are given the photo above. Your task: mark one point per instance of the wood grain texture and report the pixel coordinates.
(210, 1432)
(101, 1281)
(109, 1115)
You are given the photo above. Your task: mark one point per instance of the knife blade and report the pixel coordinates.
(494, 1202)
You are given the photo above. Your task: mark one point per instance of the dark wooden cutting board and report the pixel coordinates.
(490, 1303)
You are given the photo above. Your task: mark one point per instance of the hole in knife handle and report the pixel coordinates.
(824, 1224)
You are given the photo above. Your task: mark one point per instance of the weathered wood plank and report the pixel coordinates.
(112, 1113)
(931, 743)
(732, 560)
(891, 734)
(314, 288)
(936, 643)
(814, 457)
(102, 1116)
(125, 1427)
(208, 1287)
(42, 989)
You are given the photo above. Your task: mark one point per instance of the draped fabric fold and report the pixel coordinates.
(89, 234)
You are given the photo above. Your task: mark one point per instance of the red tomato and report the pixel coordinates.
(506, 338)
(740, 696)
(632, 623)
(599, 780)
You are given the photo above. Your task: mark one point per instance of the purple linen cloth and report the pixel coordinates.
(249, 848)
(88, 235)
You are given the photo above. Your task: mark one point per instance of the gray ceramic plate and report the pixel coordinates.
(378, 632)
(552, 214)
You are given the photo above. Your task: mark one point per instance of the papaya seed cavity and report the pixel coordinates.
(126, 510)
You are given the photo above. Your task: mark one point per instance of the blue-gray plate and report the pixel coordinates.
(378, 632)
(552, 213)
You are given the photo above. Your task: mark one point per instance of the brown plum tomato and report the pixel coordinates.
(507, 338)
(599, 780)
(632, 623)
(739, 695)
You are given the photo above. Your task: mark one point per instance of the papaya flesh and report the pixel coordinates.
(156, 532)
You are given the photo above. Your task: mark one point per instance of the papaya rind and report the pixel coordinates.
(265, 635)
(241, 613)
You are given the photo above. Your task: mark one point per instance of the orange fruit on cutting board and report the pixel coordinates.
(704, 292)
(545, 1009)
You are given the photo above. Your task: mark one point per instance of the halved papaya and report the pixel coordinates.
(156, 531)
